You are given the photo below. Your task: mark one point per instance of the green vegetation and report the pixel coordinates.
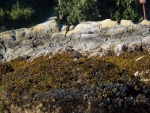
(76, 11)
(19, 13)
(23, 13)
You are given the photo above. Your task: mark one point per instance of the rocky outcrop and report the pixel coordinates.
(98, 38)
(93, 85)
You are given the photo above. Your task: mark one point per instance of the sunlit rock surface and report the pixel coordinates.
(87, 36)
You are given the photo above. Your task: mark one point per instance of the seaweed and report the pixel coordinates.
(94, 77)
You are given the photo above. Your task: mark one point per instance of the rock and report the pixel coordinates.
(126, 22)
(145, 22)
(64, 28)
(136, 74)
(146, 43)
(136, 45)
(107, 23)
(71, 27)
(144, 76)
(117, 30)
(97, 38)
(5, 36)
(88, 27)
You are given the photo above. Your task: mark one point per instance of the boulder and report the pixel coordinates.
(107, 23)
(145, 22)
(126, 22)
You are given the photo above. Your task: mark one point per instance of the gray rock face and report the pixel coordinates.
(98, 38)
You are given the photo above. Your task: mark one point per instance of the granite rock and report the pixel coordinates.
(98, 37)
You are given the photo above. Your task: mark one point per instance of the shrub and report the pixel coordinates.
(126, 9)
(24, 13)
(74, 12)
(19, 12)
(2, 13)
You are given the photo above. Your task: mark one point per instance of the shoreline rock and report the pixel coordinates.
(106, 35)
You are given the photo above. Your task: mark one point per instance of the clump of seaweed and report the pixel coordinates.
(137, 61)
(103, 78)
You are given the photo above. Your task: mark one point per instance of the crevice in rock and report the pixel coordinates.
(67, 29)
(141, 46)
(2, 43)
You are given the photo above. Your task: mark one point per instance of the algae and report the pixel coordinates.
(103, 77)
